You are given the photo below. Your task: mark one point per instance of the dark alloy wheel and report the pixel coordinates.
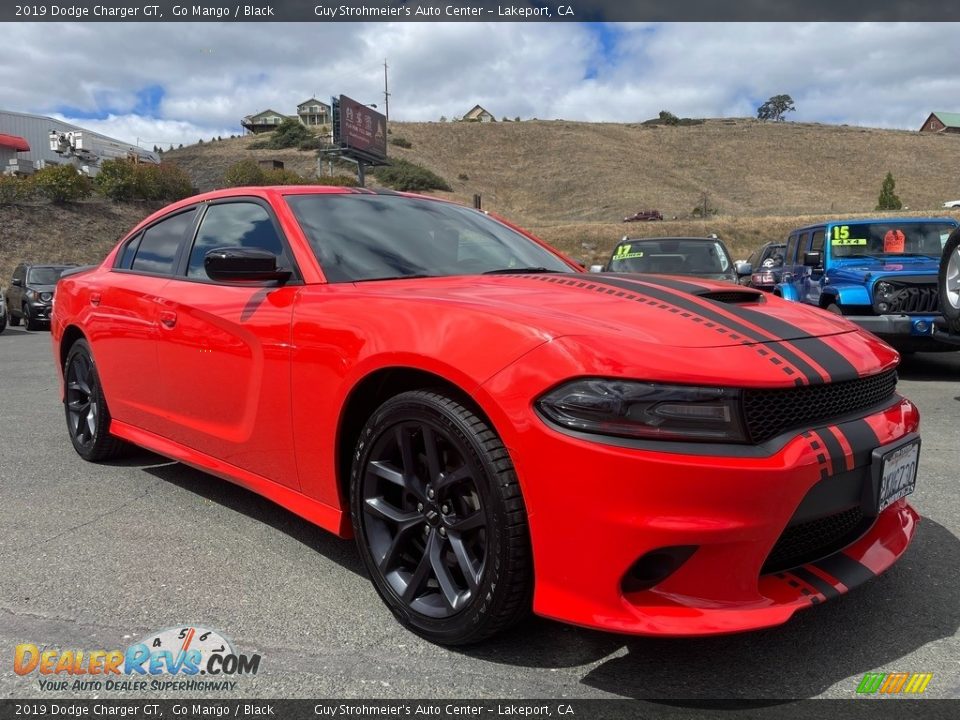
(439, 519)
(88, 418)
(948, 283)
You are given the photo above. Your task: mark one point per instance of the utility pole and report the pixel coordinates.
(386, 93)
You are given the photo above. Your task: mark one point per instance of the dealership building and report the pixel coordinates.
(29, 142)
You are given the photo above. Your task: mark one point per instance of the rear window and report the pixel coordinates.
(160, 243)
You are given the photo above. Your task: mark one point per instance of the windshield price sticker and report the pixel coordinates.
(623, 253)
(841, 236)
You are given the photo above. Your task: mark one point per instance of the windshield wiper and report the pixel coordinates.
(520, 271)
(393, 277)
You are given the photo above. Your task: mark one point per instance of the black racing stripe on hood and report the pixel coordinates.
(833, 362)
(788, 361)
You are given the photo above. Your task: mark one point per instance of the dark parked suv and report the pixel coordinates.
(30, 295)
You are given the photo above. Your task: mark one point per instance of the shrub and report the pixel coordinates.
(405, 175)
(314, 143)
(338, 180)
(117, 179)
(162, 182)
(281, 176)
(242, 173)
(14, 189)
(62, 183)
(463, 176)
(401, 141)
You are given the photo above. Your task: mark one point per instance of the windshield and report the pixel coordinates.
(672, 256)
(379, 237)
(44, 275)
(885, 239)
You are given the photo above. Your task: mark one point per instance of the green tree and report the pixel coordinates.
(888, 199)
(668, 118)
(117, 179)
(775, 108)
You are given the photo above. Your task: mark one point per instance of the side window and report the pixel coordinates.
(128, 252)
(235, 224)
(160, 242)
(791, 256)
(803, 246)
(817, 244)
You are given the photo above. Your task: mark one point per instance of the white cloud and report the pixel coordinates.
(212, 74)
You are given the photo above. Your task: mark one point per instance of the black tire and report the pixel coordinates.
(85, 408)
(28, 322)
(439, 519)
(948, 282)
(833, 308)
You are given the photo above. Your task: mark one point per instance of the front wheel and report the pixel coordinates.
(439, 519)
(948, 281)
(28, 322)
(88, 419)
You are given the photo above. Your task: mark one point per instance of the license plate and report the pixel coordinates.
(898, 474)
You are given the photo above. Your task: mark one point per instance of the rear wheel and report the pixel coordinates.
(88, 419)
(439, 519)
(949, 281)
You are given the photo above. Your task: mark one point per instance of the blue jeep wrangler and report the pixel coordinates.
(880, 274)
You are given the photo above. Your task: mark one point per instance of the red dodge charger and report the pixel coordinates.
(499, 430)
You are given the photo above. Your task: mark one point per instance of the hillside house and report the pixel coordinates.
(263, 121)
(942, 122)
(313, 112)
(478, 114)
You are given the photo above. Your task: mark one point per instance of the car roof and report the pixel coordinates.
(656, 239)
(855, 221)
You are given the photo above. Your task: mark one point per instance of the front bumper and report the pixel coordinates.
(39, 310)
(918, 326)
(595, 509)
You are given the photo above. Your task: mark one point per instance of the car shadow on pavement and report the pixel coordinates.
(913, 604)
(927, 367)
(241, 500)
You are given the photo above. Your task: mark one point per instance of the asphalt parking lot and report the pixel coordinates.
(97, 556)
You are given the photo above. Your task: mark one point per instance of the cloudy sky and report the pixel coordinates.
(174, 83)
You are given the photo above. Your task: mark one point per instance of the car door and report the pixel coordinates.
(224, 350)
(15, 291)
(813, 276)
(793, 266)
(123, 321)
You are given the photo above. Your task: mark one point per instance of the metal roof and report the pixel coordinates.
(949, 119)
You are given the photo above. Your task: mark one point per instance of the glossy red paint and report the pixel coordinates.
(250, 384)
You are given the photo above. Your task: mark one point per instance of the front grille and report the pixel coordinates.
(909, 299)
(767, 413)
(815, 539)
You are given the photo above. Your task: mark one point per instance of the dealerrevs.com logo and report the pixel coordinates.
(188, 658)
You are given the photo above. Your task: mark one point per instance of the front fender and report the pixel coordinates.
(847, 294)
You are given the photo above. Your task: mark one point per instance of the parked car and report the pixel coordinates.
(498, 430)
(30, 295)
(644, 215)
(764, 267)
(952, 204)
(698, 257)
(881, 274)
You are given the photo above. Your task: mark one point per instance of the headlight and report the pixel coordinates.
(884, 290)
(46, 297)
(646, 410)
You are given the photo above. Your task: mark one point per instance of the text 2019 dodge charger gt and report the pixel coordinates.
(497, 429)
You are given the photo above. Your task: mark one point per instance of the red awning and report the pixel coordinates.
(14, 142)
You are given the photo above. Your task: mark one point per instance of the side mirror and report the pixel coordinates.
(596, 268)
(17, 282)
(813, 259)
(243, 265)
(743, 267)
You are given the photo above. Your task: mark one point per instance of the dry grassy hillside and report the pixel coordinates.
(572, 183)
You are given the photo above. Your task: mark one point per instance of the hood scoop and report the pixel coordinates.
(733, 297)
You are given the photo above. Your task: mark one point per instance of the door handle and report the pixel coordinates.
(94, 298)
(168, 318)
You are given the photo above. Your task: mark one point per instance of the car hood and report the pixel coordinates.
(682, 312)
(866, 270)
